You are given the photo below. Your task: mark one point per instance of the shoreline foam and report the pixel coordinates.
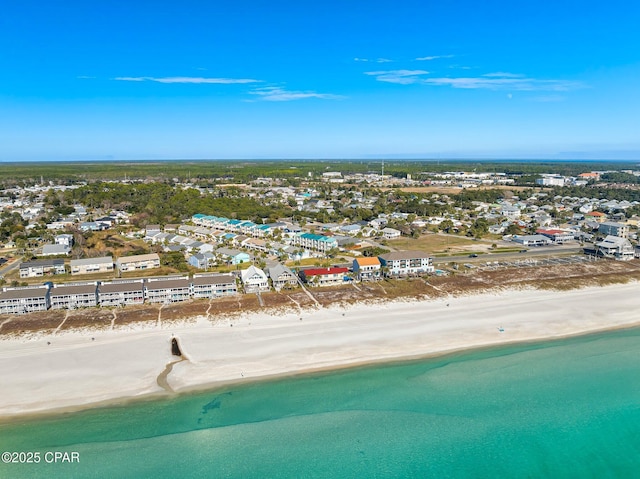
(76, 372)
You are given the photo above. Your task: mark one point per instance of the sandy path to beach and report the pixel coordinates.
(82, 368)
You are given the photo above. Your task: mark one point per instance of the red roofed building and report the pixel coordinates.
(557, 236)
(324, 276)
(589, 176)
(597, 216)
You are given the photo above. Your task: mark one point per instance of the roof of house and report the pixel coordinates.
(168, 283)
(121, 286)
(277, 270)
(42, 262)
(324, 271)
(139, 257)
(65, 289)
(28, 292)
(219, 278)
(400, 255)
(368, 261)
(55, 249)
(251, 271)
(87, 261)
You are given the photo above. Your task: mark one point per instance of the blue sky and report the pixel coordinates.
(332, 79)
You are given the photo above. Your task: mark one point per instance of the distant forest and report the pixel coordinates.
(237, 171)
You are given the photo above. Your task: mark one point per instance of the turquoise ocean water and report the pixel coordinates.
(567, 408)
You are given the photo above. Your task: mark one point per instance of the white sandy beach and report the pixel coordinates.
(75, 371)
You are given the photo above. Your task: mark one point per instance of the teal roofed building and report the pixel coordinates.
(315, 242)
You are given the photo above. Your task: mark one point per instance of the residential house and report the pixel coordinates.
(42, 267)
(74, 295)
(324, 276)
(168, 289)
(282, 277)
(596, 216)
(390, 233)
(233, 256)
(138, 262)
(254, 280)
(24, 300)
(64, 239)
(614, 229)
(103, 264)
(214, 285)
(55, 250)
(366, 269)
(403, 263)
(615, 247)
(121, 292)
(202, 260)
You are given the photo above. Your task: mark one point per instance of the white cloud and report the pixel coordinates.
(403, 77)
(489, 81)
(377, 60)
(196, 80)
(274, 93)
(508, 83)
(503, 75)
(85, 77)
(433, 57)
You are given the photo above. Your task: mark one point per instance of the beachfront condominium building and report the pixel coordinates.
(138, 262)
(214, 285)
(121, 293)
(403, 263)
(72, 296)
(315, 242)
(92, 265)
(24, 300)
(167, 290)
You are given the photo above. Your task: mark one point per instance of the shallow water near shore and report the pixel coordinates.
(565, 408)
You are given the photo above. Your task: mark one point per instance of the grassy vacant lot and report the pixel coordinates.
(436, 243)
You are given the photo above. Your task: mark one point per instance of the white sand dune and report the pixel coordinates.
(76, 371)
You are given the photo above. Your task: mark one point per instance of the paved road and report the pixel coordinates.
(8, 267)
(530, 253)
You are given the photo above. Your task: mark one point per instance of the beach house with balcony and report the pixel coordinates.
(367, 269)
(254, 280)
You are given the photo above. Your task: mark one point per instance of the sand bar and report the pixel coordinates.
(81, 368)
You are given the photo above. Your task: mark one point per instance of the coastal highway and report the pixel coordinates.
(8, 267)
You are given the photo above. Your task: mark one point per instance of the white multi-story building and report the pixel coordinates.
(24, 300)
(402, 263)
(138, 262)
(315, 242)
(72, 296)
(92, 265)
